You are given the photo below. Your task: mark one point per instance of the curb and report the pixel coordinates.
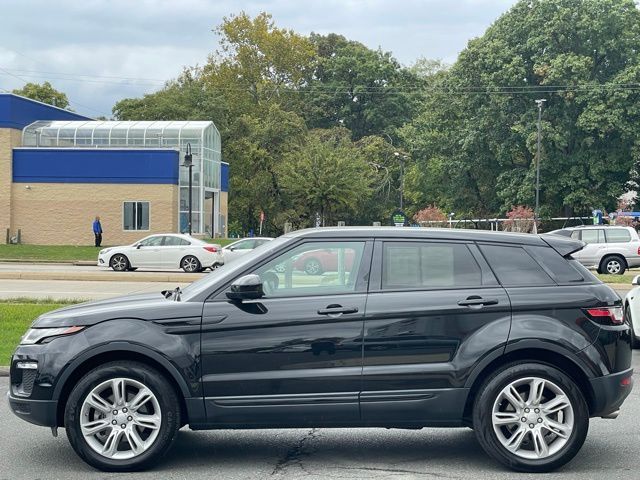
(4, 371)
(42, 262)
(103, 276)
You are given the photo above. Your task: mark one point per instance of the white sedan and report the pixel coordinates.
(163, 251)
(242, 247)
(632, 311)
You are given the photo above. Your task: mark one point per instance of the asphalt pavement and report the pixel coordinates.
(612, 450)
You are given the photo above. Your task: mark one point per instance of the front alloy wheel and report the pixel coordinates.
(119, 263)
(122, 416)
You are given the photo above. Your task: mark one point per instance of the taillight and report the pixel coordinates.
(611, 315)
(211, 249)
(638, 250)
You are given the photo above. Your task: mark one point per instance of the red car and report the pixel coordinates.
(316, 262)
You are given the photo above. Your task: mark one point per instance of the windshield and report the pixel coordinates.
(228, 271)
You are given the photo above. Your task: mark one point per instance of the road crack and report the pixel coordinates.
(295, 454)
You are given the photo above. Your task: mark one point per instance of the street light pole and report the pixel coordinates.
(401, 158)
(536, 213)
(188, 162)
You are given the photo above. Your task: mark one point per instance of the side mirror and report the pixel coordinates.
(636, 280)
(248, 287)
(231, 249)
(139, 246)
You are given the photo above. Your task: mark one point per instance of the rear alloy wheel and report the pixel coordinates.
(122, 416)
(119, 263)
(190, 264)
(531, 417)
(312, 267)
(613, 265)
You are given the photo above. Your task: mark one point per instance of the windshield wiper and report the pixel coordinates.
(175, 293)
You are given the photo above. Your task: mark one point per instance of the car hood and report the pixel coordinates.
(147, 306)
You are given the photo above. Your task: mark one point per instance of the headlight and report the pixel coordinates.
(103, 251)
(36, 335)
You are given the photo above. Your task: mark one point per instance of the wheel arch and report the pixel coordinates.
(116, 352)
(561, 361)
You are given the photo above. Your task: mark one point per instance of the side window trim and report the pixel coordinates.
(362, 280)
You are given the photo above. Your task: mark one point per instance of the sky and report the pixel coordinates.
(101, 51)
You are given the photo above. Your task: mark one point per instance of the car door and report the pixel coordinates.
(174, 249)
(237, 249)
(434, 308)
(148, 252)
(293, 357)
(595, 247)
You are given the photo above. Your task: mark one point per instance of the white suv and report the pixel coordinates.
(610, 249)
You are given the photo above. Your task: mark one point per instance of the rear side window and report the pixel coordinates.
(560, 268)
(593, 236)
(617, 235)
(514, 266)
(428, 265)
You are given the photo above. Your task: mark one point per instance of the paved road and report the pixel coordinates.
(69, 267)
(612, 450)
(76, 290)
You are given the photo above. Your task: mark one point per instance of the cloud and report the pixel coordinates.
(150, 41)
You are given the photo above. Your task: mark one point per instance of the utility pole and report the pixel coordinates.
(536, 214)
(401, 158)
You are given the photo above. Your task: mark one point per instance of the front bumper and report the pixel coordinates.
(610, 391)
(38, 412)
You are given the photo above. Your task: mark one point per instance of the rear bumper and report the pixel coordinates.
(610, 391)
(38, 412)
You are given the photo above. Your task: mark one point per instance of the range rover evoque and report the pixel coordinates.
(503, 333)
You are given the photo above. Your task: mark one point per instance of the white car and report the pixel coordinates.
(242, 247)
(163, 251)
(610, 249)
(632, 311)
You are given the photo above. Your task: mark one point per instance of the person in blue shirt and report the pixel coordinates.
(97, 231)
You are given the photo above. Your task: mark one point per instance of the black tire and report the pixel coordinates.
(313, 267)
(613, 265)
(190, 264)
(483, 411)
(153, 380)
(119, 263)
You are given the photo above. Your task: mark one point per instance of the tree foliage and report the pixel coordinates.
(44, 93)
(321, 126)
(475, 137)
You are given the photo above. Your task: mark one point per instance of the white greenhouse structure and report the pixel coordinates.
(203, 136)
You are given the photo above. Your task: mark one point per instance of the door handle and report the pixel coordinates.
(337, 310)
(475, 301)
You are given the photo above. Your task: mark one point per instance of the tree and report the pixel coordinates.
(44, 93)
(327, 179)
(364, 90)
(476, 134)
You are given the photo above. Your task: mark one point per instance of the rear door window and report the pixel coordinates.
(514, 266)
(428, 265)
(592, 236)
(617, 235)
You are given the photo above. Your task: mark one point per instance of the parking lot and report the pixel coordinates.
(612, 450)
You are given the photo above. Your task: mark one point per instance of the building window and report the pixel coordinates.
(135, 216)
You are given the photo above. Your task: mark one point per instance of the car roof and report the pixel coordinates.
(418, 233)
(562, 245)
(591, 227)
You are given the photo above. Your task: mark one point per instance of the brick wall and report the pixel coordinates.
(9, 138)
(62, 214)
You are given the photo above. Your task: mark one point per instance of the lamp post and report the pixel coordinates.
(536, 213)
(188, 162)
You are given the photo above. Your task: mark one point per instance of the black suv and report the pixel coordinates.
(403, 328)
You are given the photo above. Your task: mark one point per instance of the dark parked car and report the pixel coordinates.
(503, 333)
